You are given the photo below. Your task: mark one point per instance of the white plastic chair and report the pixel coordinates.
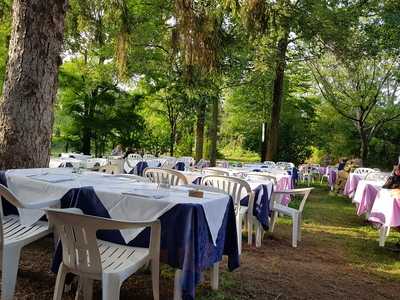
(269, 164)
(168, 163)
(262, 177)
(13, 237)
(237, 189)
(148, 156)
(215, 171)
(377, 176)
(222, 163)
(92, 259)
(363, 170)
(134, 156)
(296, 214)
(165, 176)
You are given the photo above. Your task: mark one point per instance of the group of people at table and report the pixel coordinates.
(187, 219)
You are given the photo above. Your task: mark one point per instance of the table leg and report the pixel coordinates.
(383, 234)
(177, 285)
(215, 276)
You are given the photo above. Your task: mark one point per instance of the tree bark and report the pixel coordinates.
(214, 131)
(264, 141)
(172, 139)
(30, 87)
(364, 147)
(273, 131)
(200, 124)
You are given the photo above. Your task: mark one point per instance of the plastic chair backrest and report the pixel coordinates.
(235, 187)
(165, 176)
(305, 192)
(377, 176)
(78, 237)
(363, 171)
(262, 177)
(215, 171)
(134, 156)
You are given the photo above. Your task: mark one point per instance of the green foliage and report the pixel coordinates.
(95, 112)
(136, 72)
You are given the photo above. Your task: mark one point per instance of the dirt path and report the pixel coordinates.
(320, 268)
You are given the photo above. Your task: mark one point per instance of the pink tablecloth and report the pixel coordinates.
(322, 170)
(284, 182)
(386, 209)
(365, 195)
(351, 184)
(332, 175)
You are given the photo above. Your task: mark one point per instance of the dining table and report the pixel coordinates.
(195, 232)
(351, 184)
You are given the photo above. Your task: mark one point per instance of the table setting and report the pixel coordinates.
(196, 232)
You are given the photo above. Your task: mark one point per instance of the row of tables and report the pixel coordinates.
(380, 206)
(195, 233)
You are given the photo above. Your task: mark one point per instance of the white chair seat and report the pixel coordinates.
(15, 237)
(119, 259)
(15, 232)
(93, 259)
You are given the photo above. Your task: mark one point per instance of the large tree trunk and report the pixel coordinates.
(200, 123)
(214, 131)
(26, 108)
(273, 132)
(86, 140)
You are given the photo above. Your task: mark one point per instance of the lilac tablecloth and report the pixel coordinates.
(351, 184)
(332, 176)
(284, 183)
(386, 208)
(365, 196)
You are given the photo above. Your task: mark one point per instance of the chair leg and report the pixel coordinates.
(294, 230)
(273, 221)
(239, 233)
(177, 285)
(155, 278)
(110, 287)
(215, 276)
(59, 288)
(249, 229)
(9, 272)
(87, 289)
(259, 234)
(299, 228)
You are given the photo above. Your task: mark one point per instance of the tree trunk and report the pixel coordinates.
(364, 148)
(172, 139)
(30, 87)
(273, 132)
(264, 140)
(214, 131)
(201, 120)
(86, 140)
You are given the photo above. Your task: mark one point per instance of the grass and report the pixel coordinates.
(331, 221)
(332, 218)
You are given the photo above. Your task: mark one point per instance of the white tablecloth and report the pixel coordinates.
(124, 198)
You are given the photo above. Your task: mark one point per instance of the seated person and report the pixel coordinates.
(117, 151)
(393, 181)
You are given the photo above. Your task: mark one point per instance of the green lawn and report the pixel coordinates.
(330, 222)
